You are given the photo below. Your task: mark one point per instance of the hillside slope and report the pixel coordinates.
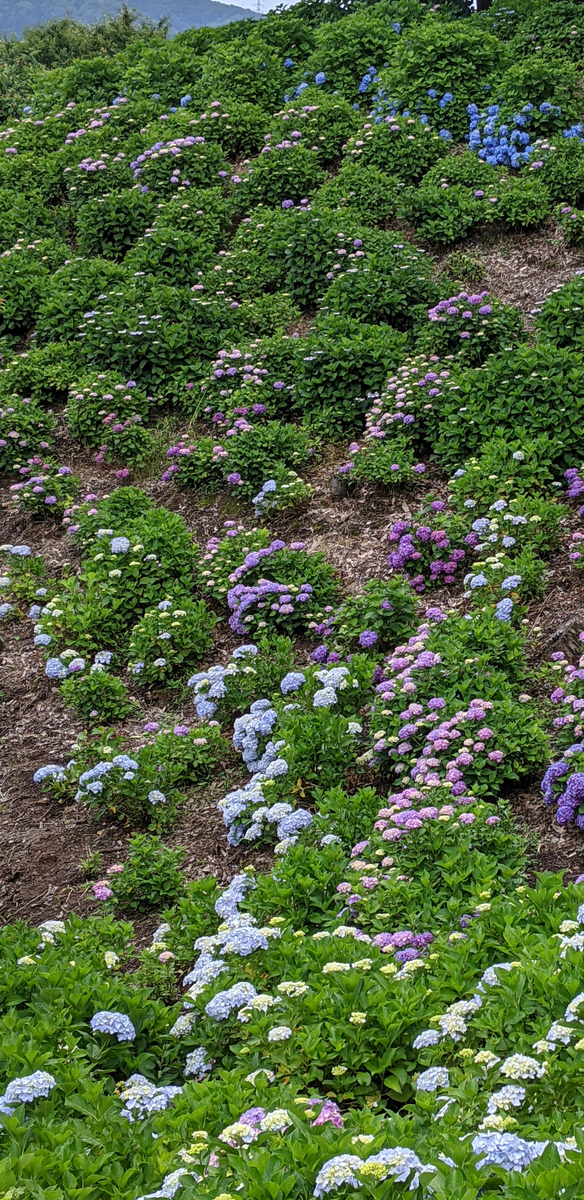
(292, 607)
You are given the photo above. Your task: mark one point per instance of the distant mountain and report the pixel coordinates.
(183, 14)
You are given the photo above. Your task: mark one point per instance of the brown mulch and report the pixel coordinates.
(521, 268)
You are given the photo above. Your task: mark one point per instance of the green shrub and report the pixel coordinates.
(546, 27)
(202, 211)
(47, 490)
(464, 170)
(442, 215)
(571, 221)
(560, 318)
(74, 288)
(98, 696)
(284, 172)
(143, 787)
(344, 361)
(247, 70)
(110, 225)
(124, 505)
(459, 58)
(170, 638)
(235, 558)
(540, 80)
(323, 122)
(23, 278)
(24, 429)
(515, 393)
(465, 268)
(41, 373)
(521, 203)
(261, 371)
(383, 286)
(199, 164)
(390, 462)
(399, 146)
(98, 607)
(306, 245)
(365, 190)
(244, 461)
(506, 467)
(384, 608)
(561, 169)
(153, 336)
(92, 406)
(109, 175)
(285, 489)
(151, 876)
(236, 125)
(346, 49)
(27, 217)
(470, 327)
(174, 257)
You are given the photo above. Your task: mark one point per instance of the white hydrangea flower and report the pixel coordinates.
(280, 1033)
(509, 1097)
(293, 989)
(571, 1013)
(486, 1058)
(276, 1121)
(520, 1066)
(558, 1033)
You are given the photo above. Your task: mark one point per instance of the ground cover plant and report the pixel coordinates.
(291, 607)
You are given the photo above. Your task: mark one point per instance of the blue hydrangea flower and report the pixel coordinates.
(114, 1023)
(506, 1150)
(125, 762)
(291, 682)
(104, 657)
(241, 651)
(25, 1089)
(430, 1037)
(511, 583)
(142, 1098)
(432, 1079)
(197, 1064)
(504, 609)
(120, 545)
(55, 669)
(51, 771)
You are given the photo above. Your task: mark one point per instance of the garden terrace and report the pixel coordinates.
(292, 607)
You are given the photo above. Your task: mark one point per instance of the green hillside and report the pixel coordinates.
(182, 14)
(292, 605)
